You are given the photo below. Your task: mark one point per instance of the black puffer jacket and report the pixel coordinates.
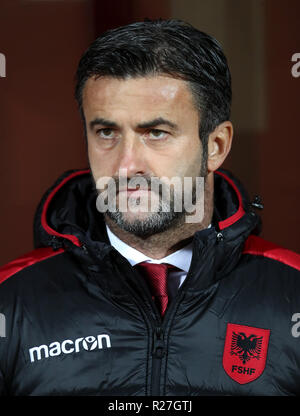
(76, 318)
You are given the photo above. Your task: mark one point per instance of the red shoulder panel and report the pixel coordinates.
(26, 260)
(259, 247)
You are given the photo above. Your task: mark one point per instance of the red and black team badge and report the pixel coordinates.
(245, 352)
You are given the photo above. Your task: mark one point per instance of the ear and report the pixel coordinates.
(219, 145)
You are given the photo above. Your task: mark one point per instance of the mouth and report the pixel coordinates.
(135, 192)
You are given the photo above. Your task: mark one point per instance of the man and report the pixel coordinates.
(121, 299)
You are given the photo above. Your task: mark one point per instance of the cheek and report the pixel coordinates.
(97, 163)
(189, 160)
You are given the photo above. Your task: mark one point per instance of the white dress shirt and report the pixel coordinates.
(180, 259)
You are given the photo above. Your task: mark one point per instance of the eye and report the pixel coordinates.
(156, 134)
(106, 133)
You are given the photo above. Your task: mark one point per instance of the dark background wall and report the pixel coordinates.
(40, 130)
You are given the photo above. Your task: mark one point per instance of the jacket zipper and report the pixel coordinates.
(157, 326)
(159, 349)
(158, 352)
(158, 346)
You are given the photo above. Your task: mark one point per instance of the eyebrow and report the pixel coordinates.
(103, 122)
(157, 122)
(146, 125)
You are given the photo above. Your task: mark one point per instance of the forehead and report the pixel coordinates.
(144, 94)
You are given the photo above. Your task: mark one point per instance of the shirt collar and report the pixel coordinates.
(180, 258)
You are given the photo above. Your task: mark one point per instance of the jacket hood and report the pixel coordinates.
(67, 217)
(67, 212)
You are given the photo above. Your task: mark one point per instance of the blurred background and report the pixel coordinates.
(41, 134)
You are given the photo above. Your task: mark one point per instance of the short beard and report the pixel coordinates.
(156, 222)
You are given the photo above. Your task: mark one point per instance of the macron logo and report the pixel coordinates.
(68, 346)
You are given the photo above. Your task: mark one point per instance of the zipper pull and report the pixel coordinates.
(55, 243)
(158, 343)
(84, 248)
(219, 237)
(257, 202)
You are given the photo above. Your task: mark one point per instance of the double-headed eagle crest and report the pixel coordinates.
(245, 347)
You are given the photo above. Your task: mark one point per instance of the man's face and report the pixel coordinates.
(148, 128)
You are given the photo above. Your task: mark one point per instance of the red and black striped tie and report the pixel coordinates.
(156, 276)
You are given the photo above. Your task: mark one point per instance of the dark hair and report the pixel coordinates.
(170, 47)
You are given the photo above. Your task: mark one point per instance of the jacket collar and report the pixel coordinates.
(67, 216)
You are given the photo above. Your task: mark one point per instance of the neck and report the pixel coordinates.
(162, 244)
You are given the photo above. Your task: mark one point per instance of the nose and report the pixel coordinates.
(132, 157)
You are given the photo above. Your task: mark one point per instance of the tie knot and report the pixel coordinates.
(156, 275)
